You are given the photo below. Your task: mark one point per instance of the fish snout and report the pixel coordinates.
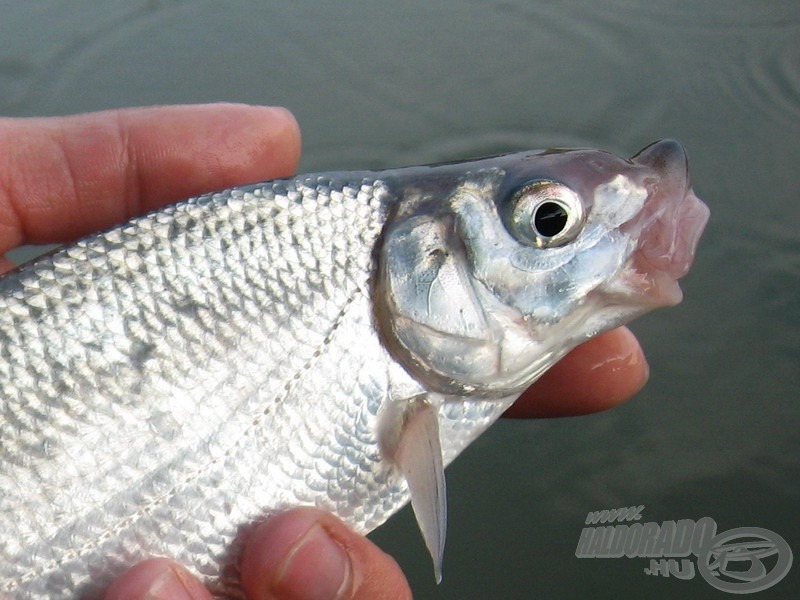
(667, 158)
(673, 220)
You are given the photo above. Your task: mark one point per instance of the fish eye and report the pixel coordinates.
(546, 214)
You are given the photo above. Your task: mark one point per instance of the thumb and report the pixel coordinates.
(306, 554)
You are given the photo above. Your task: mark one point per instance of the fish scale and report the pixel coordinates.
(331, 340)
(92, 394)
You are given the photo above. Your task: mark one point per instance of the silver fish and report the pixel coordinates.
(331, 340)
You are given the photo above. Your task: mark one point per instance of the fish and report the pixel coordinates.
(332, 340)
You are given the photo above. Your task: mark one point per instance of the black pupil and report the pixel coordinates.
(550, 219)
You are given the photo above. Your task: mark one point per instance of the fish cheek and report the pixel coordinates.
(431, 313)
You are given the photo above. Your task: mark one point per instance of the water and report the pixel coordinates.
(379, 83)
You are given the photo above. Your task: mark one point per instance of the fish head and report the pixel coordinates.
(493, 270)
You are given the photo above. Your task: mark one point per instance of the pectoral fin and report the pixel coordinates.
(418, 454)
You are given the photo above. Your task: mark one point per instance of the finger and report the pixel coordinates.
(62, 177)
(305, 554)
(598, 374)
(5, 266)
(157, 579)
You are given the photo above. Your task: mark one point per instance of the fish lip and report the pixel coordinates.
(669, 242)
(670, 225)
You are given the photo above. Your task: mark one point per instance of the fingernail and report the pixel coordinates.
(316, 568)
(157, 579)
(282, 112)
(174, 583)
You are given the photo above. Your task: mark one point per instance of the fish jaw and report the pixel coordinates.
(669, 227)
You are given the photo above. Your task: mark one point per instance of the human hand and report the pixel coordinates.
(64, 177)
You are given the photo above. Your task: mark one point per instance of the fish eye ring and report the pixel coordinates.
(546, 214)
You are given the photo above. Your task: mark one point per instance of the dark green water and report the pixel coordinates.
(379, 83)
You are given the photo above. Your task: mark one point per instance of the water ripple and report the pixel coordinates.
(775, 79)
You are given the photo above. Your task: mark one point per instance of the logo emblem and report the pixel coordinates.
(745, 560)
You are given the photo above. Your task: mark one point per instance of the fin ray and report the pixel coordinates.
(419, 456)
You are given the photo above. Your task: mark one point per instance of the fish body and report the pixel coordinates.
(168, 382)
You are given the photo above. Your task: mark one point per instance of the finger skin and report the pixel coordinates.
(64, 177)
(157, 579)
(301, 554)
(370, 573)
(5, 266)
(597, 375)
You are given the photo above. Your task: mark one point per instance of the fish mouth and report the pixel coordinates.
(670, 224)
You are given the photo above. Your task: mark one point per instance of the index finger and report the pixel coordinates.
(597, 375)
(64, 177)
